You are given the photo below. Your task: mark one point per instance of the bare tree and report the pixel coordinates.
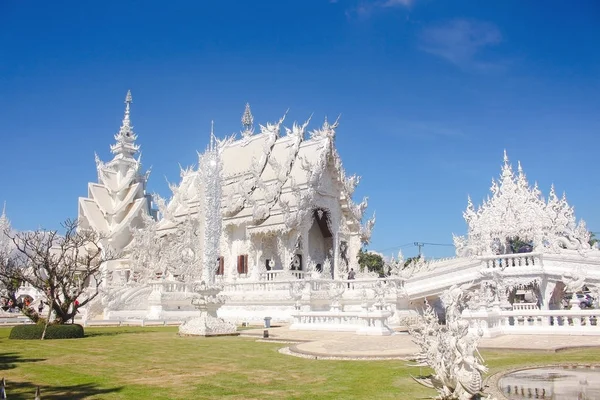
(64, 267)
(10, 282)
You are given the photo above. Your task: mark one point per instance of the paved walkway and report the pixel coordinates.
(321, 344)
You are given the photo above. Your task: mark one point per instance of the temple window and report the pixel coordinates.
(220, 265)
(242, 264)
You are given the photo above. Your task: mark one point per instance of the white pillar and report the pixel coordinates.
(305, 249)
(336, 254)
(546, 291)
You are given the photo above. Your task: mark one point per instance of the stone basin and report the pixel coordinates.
(556, 383)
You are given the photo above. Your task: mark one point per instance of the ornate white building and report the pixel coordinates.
(285, 205)
(118, 201)
(286, 202)
(270, 217)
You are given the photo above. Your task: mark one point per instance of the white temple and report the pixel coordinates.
(268, 219)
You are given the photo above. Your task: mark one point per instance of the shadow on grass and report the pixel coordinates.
(10, 360)
(26, 391)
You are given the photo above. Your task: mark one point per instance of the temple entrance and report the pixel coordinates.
(320, 238)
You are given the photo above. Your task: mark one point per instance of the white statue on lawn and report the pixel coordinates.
(450, 350)
(207, 298)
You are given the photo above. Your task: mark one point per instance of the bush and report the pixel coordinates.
(30, 332)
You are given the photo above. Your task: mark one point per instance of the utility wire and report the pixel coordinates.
(414, 244)
(397, 247)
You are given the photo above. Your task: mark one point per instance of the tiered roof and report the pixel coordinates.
(516, 210)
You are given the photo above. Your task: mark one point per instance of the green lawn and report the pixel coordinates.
(154, 363)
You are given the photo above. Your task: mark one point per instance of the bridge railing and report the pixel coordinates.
(532, 321)
(512, 260)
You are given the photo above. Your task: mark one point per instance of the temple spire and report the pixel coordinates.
(126, 128)
(247, 122)
(126, 120)
(212, 136)
(126, 137)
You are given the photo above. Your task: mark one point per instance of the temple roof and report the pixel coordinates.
(268, 178)
(517, 211)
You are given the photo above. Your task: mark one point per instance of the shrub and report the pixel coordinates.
(34, 331)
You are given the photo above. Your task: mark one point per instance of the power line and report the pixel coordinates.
(420, 245)
(415, 244)
(397, 247)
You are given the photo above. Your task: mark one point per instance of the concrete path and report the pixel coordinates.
(347, 345)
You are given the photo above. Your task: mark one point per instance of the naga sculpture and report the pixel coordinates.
(450, 350)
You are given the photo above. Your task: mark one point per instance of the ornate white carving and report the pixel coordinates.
(575, 280)
(207, 301)
(450, 350)
(515, 211)
(118, 201)
(247, 122)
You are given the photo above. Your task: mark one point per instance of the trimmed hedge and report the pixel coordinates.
(34, 331)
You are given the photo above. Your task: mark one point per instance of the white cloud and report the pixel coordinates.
(461, 42)
(365, 9)
(395, 3)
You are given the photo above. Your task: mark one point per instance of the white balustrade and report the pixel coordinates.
(525, 306)
(360, 322)
(512, 260)
(533, 321)
(273, 275)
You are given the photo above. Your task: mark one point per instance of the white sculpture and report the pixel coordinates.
(5, 241)
(517, 212)
(450, 350)
(207, 300)
(574, 281)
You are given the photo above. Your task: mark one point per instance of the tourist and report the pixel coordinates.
(41, 307)
(75, 307)
(351, 276)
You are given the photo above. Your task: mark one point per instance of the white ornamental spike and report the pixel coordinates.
(247, 119)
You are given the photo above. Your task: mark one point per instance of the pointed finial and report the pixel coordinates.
(126, 128)
(519, 168)
(212, 135)
(128, 101)
(247, 122)
(247, 118)
(3, 215)
(505, 157)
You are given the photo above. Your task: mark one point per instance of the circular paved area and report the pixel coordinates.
(320, 344)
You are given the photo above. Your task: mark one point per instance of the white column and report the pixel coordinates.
(305, 249)
(336, 254)
(285, 253)
(546, 291)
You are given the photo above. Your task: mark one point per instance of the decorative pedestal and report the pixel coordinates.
(155, 307)
(574, 303)
(207, 324)
(375, 322)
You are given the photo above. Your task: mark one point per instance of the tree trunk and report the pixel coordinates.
(47, 319)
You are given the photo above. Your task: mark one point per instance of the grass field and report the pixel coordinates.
(154, 363)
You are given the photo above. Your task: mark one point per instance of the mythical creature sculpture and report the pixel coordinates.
(574, 281)
(450, 350)
(296, 291)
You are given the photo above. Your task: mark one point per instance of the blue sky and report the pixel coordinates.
(431, 92)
